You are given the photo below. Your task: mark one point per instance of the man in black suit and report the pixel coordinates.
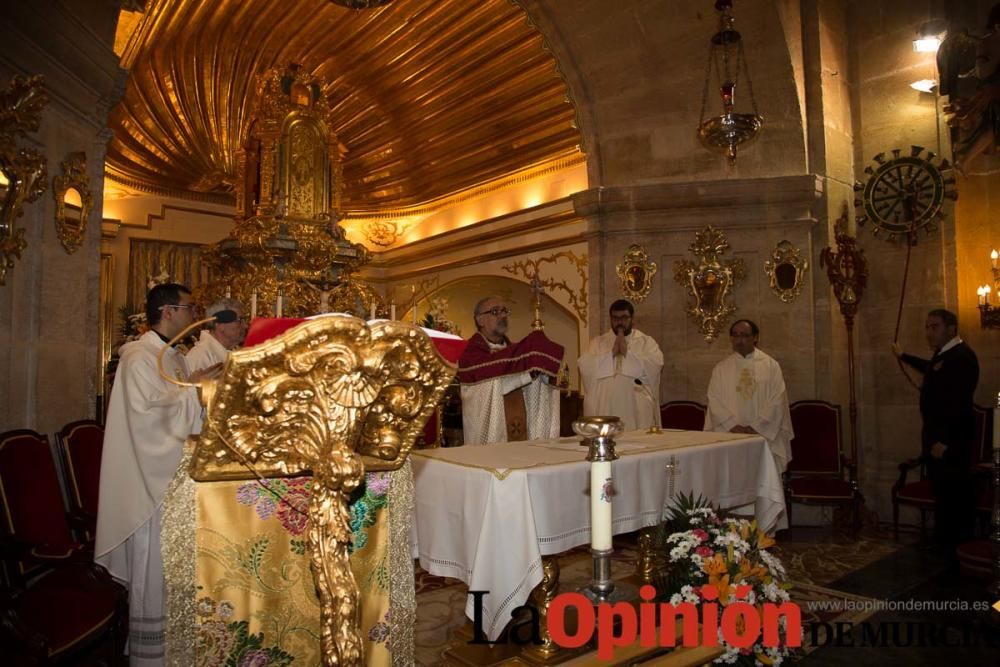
(946, 405)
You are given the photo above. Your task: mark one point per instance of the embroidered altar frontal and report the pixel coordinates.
(249, 580)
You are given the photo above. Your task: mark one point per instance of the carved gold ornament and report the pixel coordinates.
(22, 171)
(71, 219)
(335, 397)
(786, 269)
(710, 281)
(286, 246)
(636, 273)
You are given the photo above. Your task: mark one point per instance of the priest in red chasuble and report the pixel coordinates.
(509, 389)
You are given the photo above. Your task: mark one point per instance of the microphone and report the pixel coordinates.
(643, 389)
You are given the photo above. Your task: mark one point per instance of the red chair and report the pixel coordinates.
(918, 492)
(34, 515)
(55, 601)
(683, 415)
(80, 444)
(816, 473)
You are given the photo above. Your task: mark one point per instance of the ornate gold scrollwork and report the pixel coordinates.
(71, 219)
(22, 171)
(710, 281)
(636, 273)
(577, 298)
(336, 397)
(786, 269)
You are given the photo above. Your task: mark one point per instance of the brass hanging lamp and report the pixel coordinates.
(726, 132)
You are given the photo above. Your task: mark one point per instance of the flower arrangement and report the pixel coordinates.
(703, 546)
(437, 318)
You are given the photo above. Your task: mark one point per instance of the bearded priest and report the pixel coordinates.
(509, 390)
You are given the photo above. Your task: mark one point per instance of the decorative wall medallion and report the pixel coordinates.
(22, 171)
(904, 195)
(786, 269)
(710, 281)
(636, 273)
(72, 208)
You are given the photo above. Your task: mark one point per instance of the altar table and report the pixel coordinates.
(487, 514)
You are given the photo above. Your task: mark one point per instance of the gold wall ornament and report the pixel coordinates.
(335, 397)
(786, 270)
(22, 171)
(577, 297)
(636, 273)
(710, 281)
(71, 219)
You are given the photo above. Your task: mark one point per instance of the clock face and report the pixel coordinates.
(904, 195)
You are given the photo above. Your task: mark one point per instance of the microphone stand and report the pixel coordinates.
(643, 389)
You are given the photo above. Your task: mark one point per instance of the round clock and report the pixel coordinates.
(904, 195)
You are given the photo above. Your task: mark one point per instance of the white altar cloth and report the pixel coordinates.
(487, 515)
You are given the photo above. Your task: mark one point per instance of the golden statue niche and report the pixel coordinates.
(335, 397)
(287, 251)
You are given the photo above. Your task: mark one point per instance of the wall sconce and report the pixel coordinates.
(989, 317)
(929, 36)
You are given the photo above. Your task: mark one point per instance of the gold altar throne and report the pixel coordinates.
(286, 528)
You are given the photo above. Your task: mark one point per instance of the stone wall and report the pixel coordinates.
(49, 307)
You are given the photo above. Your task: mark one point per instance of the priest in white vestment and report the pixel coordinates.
(508, 389)
(747, 395)
(148, 421)
(610, 368)
(219, 337)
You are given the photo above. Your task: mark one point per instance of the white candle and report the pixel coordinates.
(600, 505)
(981, 295)
(372, 311)
(253, 304)
(993, 257)
(229, 292)
(278, 306)
(392, 310)
(986, 289)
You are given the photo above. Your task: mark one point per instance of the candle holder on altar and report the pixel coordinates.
(598, 435)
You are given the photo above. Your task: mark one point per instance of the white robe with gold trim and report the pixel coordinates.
(149, 420)
(750, 391)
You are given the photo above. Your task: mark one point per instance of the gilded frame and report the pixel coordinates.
(786, 258)
(74, 176)
(636, 273)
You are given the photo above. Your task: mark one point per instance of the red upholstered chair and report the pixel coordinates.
(816, 473)
(917, 493)
(683, 415)
(80, 444)
(34, 517)
(55, 600)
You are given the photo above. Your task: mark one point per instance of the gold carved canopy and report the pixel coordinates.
(427, 97)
